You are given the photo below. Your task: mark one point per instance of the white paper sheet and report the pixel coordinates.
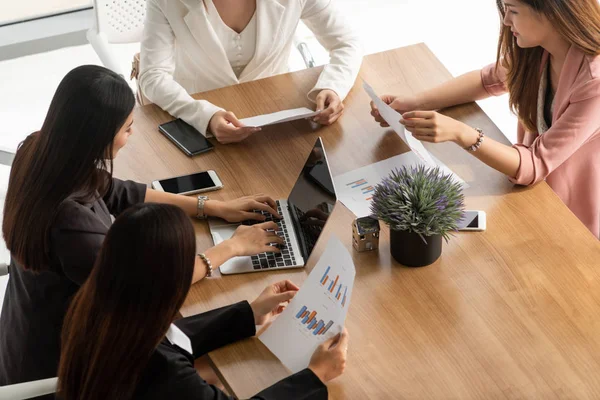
(392, 117)
(355, 188)
(317, 312)
(279, 117)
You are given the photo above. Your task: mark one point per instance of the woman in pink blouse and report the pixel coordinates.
(549, 63)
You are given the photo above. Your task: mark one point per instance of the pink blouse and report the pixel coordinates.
(567, 156)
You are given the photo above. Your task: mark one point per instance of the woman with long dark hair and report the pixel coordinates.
(58, 208)
(118, 338)
(549, 63)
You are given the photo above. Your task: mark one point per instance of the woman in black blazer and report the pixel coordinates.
(119, 341)
(58, 208)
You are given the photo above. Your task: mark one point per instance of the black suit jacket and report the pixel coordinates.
(35, 303)
(170, 373)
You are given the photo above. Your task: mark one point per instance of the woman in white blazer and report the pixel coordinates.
(192, 46)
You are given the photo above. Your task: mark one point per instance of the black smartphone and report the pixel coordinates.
(186, 137)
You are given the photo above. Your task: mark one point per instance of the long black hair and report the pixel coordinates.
(71, 156)
(121, 313)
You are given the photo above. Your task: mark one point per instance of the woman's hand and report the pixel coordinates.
(398, 103)
(433, 127)
(242, 209)
(225, 126)
(329, 359)
(255, 239)
(331, 107)
(272, 301)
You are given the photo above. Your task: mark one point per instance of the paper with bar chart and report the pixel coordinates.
(355, 188)
(318, 310)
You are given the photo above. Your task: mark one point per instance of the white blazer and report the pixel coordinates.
(181, 53)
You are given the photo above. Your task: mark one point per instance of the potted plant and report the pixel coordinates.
(421, 206)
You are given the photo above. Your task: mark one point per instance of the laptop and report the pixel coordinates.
(304, 216)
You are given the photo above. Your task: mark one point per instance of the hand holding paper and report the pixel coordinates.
(431, 126)
(329, 359)
(272, 301)
(316, 314)
(401, 104)
(226, 128)
(392, 117)
(331, 107)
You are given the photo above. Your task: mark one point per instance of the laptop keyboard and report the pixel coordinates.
(274, 260)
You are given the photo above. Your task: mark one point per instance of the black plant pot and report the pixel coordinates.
(409, 249)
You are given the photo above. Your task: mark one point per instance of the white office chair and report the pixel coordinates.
(27, 390)
(304, 51)
(116, 22)
(122, 21)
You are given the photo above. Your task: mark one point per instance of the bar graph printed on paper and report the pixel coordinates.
(313, 324)
(366, 189)
(334, 287)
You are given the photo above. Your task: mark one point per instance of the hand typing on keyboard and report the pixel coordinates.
(255, 208)
(265, 215)
(259, 238)
(284, 257)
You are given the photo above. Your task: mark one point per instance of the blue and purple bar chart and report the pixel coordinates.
(334, 288)
(309, 318)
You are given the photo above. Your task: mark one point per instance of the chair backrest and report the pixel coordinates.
(121, 21)
(27, 390)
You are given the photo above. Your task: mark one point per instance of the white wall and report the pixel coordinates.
(19, 10)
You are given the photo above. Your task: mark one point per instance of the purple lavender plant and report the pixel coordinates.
(421, 200)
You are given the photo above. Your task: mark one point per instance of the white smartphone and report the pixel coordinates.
(474, 221)
(204, 181)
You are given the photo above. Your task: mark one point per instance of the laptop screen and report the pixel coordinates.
(312, 199)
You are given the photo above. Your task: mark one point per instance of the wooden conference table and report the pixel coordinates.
(513, 312)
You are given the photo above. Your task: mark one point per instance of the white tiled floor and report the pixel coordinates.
(461, 42)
